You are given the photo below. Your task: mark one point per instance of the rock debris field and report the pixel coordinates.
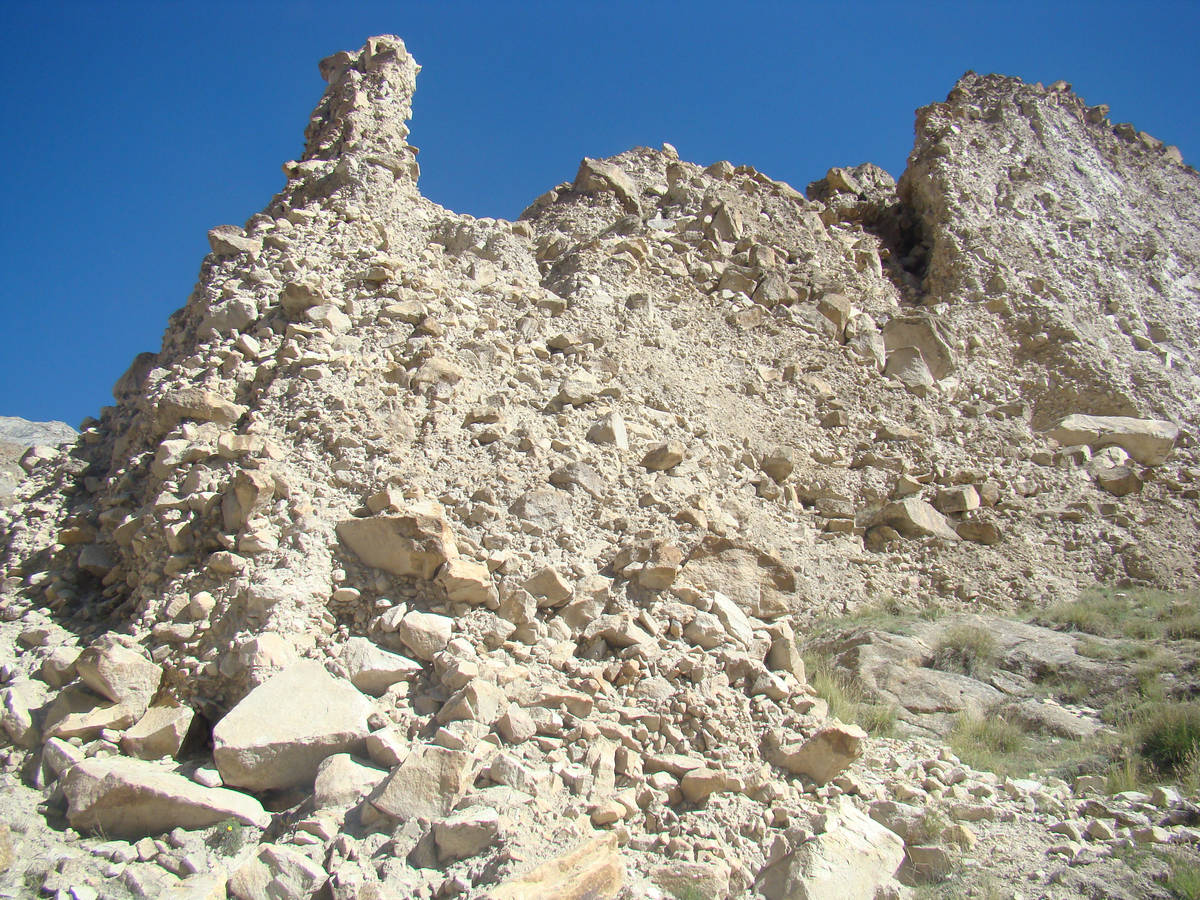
(435, 556)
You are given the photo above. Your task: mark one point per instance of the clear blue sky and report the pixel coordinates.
(131, 128)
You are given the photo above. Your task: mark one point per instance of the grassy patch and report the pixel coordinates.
(1142, 614)
(846, 699)
(966, 649)
(1169, 737)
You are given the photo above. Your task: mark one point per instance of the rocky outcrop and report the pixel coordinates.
(462, 538)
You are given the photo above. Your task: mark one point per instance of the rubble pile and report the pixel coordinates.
(437, 556)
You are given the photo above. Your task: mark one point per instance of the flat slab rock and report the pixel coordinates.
(131, 799)
(277, 736)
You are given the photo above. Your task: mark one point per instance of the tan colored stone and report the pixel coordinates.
(280, 732)
(592, 871)
(119, 673)
(826, 754)
(850, 861)
(158, 733)
(425, 634)
(130, 798)
(414, 543)
(915, 518)
(372, 669)
(664, 456)
(1149, 441)
(428, 784)
(466, 581)
(341, 780)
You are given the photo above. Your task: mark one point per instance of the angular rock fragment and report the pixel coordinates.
(130, 798)
(428, 784)
(280, 732)
(413, 543)
(1149, 441)
(850, 861)
(372, 669)
(826, 754)
(594, 870)
(158, 733)
(915, 518)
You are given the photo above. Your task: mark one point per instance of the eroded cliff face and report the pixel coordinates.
(559, 492)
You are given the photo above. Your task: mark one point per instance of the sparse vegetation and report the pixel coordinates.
(228, 837)
(1170, 736)
(1139, 614)
(846, 699)
(967, 649)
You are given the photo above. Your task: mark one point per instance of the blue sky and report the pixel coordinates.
(132, 128)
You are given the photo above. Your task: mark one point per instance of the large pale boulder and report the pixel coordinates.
(592, 871)
(280, 732)
(425, 634)
(131, 798)
(372, 669)
(850, 861)
(914, 518)
(1149, 441)
(342, 779)
(414, 542)
(158, 733)
(119, 673)
(826, 754)
(428, 784)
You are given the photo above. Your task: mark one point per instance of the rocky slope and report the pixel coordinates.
(17, 437)
(437, 546)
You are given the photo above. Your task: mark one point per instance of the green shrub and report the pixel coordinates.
(1169, 736)
(967, 649)
(228, 837)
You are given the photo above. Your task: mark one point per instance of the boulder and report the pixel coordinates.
(851, 860)
(610, 429)
(119, 673)
(425, 634)
(229, 240)
(478, 701)
(915, 518)
(1149, 441)
(757, 582)
(428, 784)
(928, 336)
(197, 405)
(592, 871)
(275, 872)
(341, 780)
(826, 754)
(19, 716)
(130, 799)
(466, 581)
(160, 732)
(277, 736)
(466, 834)
(663, 456)
(372, 669)
(413, 543)
(596, 176)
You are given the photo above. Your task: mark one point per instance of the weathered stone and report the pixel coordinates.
(414, 543)
(592, 871)
(196, 404)
(276, 872)
(466, 581)
(372, 669)
(1149, 441)
(778, 464)
(664, 456)
(229, 240)
(826, 754)
(428, 784)
(595, 176)
(130, 798)
(907, 365)
(341, 780)
(19, 704)
(477, 701)
(682, 878)
(113, 670)
(915, 518)
(280, 732)
(961, 498)
(425, 634)
(466, 834)
(549, 587)
(158, 733)
(610, 430)
(850, 861)
(516, 725)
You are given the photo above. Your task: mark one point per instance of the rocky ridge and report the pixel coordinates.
(438, 547)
